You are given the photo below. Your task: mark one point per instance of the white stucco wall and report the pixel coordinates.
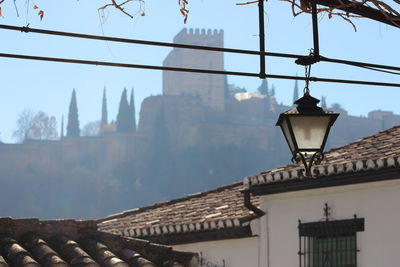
(241, 252)
(378, 203)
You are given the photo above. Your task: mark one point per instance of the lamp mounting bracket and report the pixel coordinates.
(315, 159)
(314, 57)
(308, 60)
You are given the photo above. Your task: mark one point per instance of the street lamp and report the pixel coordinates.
(306, 128)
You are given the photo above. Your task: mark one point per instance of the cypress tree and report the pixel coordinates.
(226, 86)
(272, 92)
(263, 89)
(123, 118)
(132, 111)
(62, 127)
(296, 91)
(104, 114)
(73, 121)
(323, 102)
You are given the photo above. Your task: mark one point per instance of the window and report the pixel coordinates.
(329, 243)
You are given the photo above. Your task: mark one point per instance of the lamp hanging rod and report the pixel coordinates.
(261, 37)
(196, 47)
(137, 66)
(314, 14)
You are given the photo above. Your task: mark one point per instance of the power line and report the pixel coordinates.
(137, 66)
(125, 65)
(196, 47)
(129, 41)
(359, 64)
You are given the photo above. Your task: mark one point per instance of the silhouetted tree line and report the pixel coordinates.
(125, 122)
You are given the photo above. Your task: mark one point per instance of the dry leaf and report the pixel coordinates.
(143, 14)
(1, 12)
(35, 7)
(41, 14)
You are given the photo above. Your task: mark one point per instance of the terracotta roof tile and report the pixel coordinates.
(30, 242)
(219, 208)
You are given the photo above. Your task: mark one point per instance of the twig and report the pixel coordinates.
(246, 3)
(117, 6)
(16, 8)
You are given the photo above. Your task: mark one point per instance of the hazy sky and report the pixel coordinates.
(47, 86)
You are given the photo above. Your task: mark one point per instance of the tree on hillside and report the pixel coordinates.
(62, 127)
(104, 113)
(44, 127)
(123, 119)
(234, 89)
(272, 93)
(36, 126)
(24, 124)
(132, 111)
(296, 91)
(263, 88)
(323, 102)
(91, 128)
(73, 121)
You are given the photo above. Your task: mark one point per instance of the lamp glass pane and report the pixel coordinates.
(286, 132)
(309, 131)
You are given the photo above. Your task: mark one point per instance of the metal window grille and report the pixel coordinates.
(329, 243)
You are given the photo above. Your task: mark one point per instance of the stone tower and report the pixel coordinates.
(209, 87)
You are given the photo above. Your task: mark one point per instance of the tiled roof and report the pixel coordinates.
(223, 208)
(30, 242)
(215, 210)
(375, 152)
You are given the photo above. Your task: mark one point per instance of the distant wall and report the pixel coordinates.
(100, 153)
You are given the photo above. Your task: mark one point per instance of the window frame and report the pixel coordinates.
(341, 233)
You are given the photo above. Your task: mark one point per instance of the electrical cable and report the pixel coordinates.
(185, 46)
(358, 64)
(370, 66)
(374, 69)
(248, 74)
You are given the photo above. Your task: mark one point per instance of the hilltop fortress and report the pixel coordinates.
(210, 88)
(198, 134)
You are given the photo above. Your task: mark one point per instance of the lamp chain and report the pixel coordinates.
(307, 75)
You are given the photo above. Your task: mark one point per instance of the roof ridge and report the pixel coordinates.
(179, 228)
(296, 165)
(357, 165)
(363, 139)
(168, 202)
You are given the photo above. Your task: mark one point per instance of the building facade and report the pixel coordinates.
(345, 215)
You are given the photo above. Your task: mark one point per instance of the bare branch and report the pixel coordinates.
(372, 9)
(247, 3)
(383, 12)
(363, 10)
(118, 6)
